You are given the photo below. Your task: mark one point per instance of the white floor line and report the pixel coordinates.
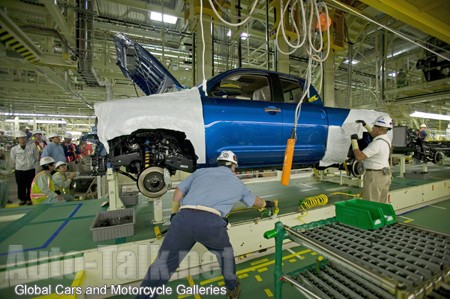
(293, 252)
(438, 207)
(406, 217)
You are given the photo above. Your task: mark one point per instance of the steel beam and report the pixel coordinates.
(60, 21)
(407, 13)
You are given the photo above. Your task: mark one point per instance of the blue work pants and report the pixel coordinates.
(188, 227)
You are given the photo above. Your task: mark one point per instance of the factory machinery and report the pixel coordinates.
(394, 261)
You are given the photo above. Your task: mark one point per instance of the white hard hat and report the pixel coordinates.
(423, 125)
(228, 156)
(46, 160)
(68, 136)
(38, 132)
(59, 163)
(53, 134)
(21, 134)
(383, 121)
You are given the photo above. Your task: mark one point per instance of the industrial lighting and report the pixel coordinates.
(28, 121)
(346, 61)
(156, 16)
(244, 35)
(393, 74)
(46, 115)
(229, 33)
(430, 115)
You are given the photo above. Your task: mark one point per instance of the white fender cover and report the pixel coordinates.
(338, 141)
(179, 111)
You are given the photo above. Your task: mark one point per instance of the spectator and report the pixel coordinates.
(24, 156)
(71, 151)
(54, 149)
(28, 132)
(40, 144)
(43, 188)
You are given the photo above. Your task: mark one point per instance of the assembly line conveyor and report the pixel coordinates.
(395, 261)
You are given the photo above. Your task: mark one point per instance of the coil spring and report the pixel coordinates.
(147, 157)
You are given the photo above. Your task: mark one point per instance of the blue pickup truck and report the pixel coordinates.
(248, 111)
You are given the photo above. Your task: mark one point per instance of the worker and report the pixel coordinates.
(71, 151)
(40, 145)
(421, 136)
(377, 177)
(43, 188)
(198, 205)
(62, 180)
(28, 132)
(23, 159)
(54, 149)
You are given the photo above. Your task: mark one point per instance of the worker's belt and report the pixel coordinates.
(201, 208)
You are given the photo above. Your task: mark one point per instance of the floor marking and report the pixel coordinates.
(438, 207)
(295, 255)
(243, 276)
(268, 292)
(192, 283)
(259, 262)
(255, 268)
(221, 283)
(406, 218)
(262, 270)
(292, 260)
(258, 278)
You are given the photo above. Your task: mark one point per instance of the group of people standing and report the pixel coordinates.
(43, 169)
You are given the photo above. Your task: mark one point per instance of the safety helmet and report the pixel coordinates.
(20, 134)
(46, 160)
(383, 121)
(228, 156)
(59, 163)
(53, 134)
(423, 125)
(68, 136)
(38, 132)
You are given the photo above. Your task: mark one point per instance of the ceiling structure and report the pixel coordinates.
(58, 57)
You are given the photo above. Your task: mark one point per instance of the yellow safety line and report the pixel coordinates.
(259, 261)
(242, 276)
(268, 292)
(191, 283)
(408, 220)
(157, 232)
(262, 269)
(258, 278)
(254, 268)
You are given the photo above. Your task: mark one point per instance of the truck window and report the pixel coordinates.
(243, 87)
(292, 90)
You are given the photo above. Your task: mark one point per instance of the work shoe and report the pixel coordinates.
(22, 202)
(234, 293)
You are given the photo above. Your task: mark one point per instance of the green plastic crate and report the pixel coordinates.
(364, 214)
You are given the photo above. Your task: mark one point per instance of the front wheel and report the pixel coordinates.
(151, 182)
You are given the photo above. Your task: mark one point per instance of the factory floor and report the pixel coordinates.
(66, 226)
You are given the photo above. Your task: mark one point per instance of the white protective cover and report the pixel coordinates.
(338, 141)
(179, 111)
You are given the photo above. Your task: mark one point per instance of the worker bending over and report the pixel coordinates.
(199, 203)
(377, 177)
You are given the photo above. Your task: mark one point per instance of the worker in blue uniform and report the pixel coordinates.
(199, 204)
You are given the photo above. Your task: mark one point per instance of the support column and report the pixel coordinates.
(328, 81)
(207, 23)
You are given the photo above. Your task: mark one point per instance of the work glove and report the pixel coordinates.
(354, 136)
(171, 216)
(269, 204)
(360, 121)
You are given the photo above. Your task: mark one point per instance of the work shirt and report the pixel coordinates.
(24, 158)
(217, 188)
(377, 153)
(62, 183)
(55, 151)
(40, 146)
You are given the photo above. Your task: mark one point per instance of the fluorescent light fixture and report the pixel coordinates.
(157, 16)
(46, 115)
(229, 33)
(430, 115)
(393, 74)
(346, 61)
(44, 121)
(244, 35)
